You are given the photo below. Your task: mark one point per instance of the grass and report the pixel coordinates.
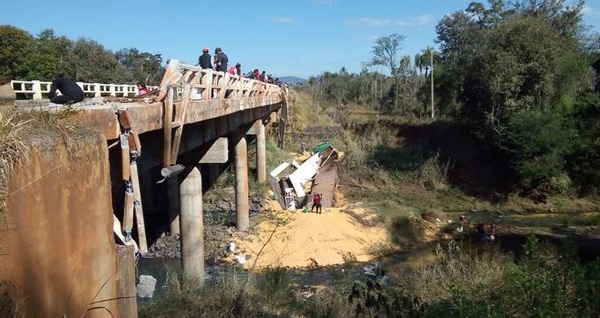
(12, 129)
(21, 130)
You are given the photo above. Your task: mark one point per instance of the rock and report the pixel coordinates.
(146, 286)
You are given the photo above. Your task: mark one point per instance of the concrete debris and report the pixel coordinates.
(146, 286)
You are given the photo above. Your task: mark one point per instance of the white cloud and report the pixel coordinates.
(421, 20)
(368, 37)
(325, 2)
(285, 20)
(590, 11)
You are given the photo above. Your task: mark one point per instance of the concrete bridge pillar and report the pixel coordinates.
(261, 153)
(242, 208)
(173, 204)
(192, 225)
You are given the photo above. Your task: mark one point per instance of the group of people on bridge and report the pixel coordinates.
(71, 92)
(219, 62)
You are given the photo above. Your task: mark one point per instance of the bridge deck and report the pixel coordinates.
(198, 95)
(101, 116)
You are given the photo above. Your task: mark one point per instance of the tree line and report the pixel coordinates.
(523, 74)
(47, 55)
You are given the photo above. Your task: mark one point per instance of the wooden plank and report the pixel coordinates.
(139, 211)
(168, 119)
(136, 144)
(179, 130)
(168, 79)
(128, 213)
(125, 158)
(117, 231)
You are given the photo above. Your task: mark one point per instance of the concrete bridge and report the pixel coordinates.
(163, 150)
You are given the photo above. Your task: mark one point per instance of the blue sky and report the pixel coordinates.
(286, 38)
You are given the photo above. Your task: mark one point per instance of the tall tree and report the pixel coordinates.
(16, 47)
(49, 55)
(89, 61)
(141, 66)
(385, 53)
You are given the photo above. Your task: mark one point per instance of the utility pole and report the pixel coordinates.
(432, 99)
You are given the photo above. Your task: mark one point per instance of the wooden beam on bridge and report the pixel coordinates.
(167, 129)
(139, 211)
(179, 123)
(171, 76)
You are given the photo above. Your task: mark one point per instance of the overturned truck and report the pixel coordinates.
(294, 184)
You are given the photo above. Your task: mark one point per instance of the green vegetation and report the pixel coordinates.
(504, 118)
(543, 281)
(45, 56)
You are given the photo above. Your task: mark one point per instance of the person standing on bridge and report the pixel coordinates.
(71, 92)
(142, 88)
(221, 60)
(235, 70)
(204, 60)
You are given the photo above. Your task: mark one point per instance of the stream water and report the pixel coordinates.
(161, 268)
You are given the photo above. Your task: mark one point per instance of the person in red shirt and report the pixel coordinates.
(316, 202)
(320, 197)
(235, 70)
(142, 88)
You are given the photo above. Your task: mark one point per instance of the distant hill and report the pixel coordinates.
(293, 80)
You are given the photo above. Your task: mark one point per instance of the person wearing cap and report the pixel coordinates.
(204, 59)
(235, 70)
(220, 60)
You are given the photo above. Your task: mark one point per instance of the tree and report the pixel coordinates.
(584, 160)
(385, 53)
(89, 61)
(141, 66)
(16, 47)
(49, 55)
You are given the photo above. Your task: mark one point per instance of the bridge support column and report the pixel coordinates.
(192, 225)
(261, 153)
(242, 209)
(173, 197)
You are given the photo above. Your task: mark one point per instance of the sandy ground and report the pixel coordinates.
(299, 239)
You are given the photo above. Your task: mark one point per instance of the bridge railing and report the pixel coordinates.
(40, 89)
(206, 84)
(209, 84)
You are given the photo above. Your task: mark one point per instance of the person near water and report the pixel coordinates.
(462, 223)
(71, 92)
(493, 228)
(481, 235)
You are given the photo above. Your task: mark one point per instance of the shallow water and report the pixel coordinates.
(400, 262)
